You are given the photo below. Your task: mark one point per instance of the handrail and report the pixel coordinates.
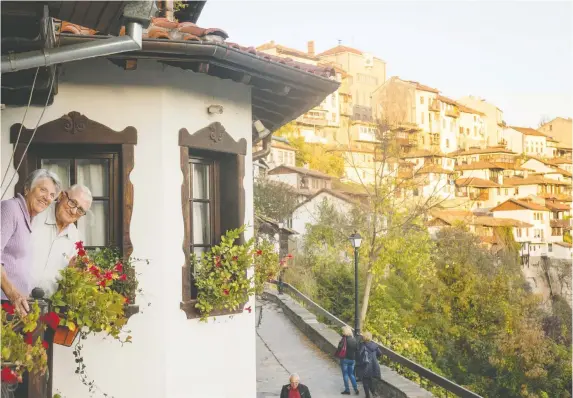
(435, 378)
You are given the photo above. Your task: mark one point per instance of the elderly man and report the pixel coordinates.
(294, 389)
(54, 236)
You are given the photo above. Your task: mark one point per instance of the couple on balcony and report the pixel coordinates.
(38, 235)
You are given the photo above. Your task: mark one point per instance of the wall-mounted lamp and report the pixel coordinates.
(215, 109)
(261, 129)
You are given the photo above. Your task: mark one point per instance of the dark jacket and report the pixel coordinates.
(302, 389)
(372, 368)
(351, 347)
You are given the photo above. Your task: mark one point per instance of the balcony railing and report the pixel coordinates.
(434, 106)
(453, 112)
(312, 120)
(479, 195)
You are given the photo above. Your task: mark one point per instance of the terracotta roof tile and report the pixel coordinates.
(563, 244)
(467, 217)
(480, 151)
(433, 168)
(560, 224)
(422, 87)
(283, 169)
(422, 153)
(524, 203)
(162, 28)
(286, 50)
(482, 165)
(561, 161)
(340, 49)
(476, 182)
(553, 205)
(532, 180)
(528, 131)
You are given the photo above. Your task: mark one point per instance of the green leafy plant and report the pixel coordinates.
(221, 277)
(266, 264)
(19, 350)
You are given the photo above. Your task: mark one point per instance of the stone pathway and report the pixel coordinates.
(282, 349)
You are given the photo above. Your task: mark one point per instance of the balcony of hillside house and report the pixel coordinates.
(453, 112)
(313, 118)
(435, 139)
(481, 196)
(406, 139)
(434, 106)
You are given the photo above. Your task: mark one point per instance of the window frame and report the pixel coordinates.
(72, 132)
(211, 142)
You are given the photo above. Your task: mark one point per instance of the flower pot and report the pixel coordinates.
(64, 336)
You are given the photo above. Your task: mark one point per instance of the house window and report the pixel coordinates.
(97, 171)
(422, 100)
(212, 197)
(97, 157)
(422, 118)
(447, 143)
(518, 231)
(203, 209)
(550, 247)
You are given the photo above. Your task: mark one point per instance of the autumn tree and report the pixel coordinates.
(274, 199)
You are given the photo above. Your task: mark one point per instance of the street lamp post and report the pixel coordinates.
(356, 240)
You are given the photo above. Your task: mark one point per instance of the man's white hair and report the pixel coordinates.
(294, 376)
(83, 190)
(40, 174)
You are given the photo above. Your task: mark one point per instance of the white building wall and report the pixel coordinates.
(308, 213)
(290, 179)
(534, 145)
(170, 356)
(514, 140)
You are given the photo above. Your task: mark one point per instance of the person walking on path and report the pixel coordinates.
(368, 367)
(294, 389)
(347, 349)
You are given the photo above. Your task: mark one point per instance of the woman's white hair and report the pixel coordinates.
(346, 331)
(40, 174)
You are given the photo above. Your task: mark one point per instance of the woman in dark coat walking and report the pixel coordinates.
(347, 349)
(368, 367)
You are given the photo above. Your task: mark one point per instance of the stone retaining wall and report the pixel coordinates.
(392, 384)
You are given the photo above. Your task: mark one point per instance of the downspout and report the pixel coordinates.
(266, 136)
(132, 41)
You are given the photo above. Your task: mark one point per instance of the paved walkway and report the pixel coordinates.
(282, 349)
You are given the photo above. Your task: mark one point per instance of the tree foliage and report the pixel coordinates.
(274, 199)
(449, 303)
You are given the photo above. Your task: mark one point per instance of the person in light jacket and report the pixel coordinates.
(368, 367)
(294, 389)
(347, 363)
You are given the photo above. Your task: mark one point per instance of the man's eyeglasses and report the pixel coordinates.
(74, 205)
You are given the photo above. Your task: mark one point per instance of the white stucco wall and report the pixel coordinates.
(170, 355)
(308, 213)
(514, 140)
(290, 179)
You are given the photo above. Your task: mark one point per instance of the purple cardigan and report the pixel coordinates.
(15, 243)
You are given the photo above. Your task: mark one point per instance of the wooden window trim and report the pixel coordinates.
(76, 129)
(211, 140)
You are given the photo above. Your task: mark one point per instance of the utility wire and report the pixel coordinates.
(21, 126)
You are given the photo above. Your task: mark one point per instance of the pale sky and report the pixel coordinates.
(515, 54)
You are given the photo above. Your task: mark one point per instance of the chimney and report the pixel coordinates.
(310, 47)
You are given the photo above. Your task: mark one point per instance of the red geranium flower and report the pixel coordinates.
(80, 245)
(81, 252)
(248, 309)
(226, 292)
(45, 344)
(28, 338)
(289, 256)
(118, 267)
(102, 283)
(259, 252)
(108, 275)
(8, 376)
(9, 308)
(123, 277)
(126, 300)
(235, 258)
(51, 319)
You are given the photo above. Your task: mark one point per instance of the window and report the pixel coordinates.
(99, 158)
(475, 131)
(468, 131)
(422, 118)
(499, 191)
(447, 143)
(550, 247)
(461, 130)
(518, 232)
(506, 191)
(212, 196)
(99, 172)
(422, 100)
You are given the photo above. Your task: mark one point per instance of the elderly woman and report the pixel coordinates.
(54, 235)
(16, 214)
(347, 348)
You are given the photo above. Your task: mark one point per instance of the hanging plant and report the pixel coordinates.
(221, 277)
(266, 265)
(20, 351)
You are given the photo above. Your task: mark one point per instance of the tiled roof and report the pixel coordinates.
(422, 153)
(564, 244)
(467, 217)
(286, 50)
(282, 145)
(422, 87)
(523, 203)
(480, 151)
(433, 168)
(561, 161)
(283, 169)
(163, 29)
(528, 131)
(560, 224)
(340, 49)
(334, 193)
(482, 165)
(532, 180)
(476, 182)
(467, 109)
(553, 205)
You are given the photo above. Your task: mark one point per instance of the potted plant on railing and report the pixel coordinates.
(221, 278)
(20, 351)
